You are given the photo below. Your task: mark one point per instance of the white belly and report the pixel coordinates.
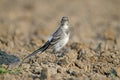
(62, 43)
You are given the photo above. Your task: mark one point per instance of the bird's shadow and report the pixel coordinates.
(7, 59)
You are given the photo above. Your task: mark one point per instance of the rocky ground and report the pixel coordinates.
(91, 54)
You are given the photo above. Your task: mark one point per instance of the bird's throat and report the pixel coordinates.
(65, 26)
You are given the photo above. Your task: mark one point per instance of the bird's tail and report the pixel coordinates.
(40, 50)
(33, 53)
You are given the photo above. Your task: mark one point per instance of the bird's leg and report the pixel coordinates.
(61, 53)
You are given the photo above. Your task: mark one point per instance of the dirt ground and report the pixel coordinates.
(91, 54)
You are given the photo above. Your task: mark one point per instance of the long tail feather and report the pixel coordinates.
(40, 50)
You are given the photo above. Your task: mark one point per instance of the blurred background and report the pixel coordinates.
(26, 24)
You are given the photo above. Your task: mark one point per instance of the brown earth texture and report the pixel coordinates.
(93, 52)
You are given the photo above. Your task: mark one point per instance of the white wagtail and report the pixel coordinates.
(58, 39)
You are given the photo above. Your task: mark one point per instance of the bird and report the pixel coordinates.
(57, 40)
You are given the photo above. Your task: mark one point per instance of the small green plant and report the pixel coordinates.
(4, 71)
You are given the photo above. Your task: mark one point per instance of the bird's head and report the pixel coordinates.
(64, 21)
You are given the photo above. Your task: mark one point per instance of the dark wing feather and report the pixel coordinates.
(40, 50)
(56, 37)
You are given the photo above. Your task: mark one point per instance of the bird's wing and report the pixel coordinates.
(56, 37)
